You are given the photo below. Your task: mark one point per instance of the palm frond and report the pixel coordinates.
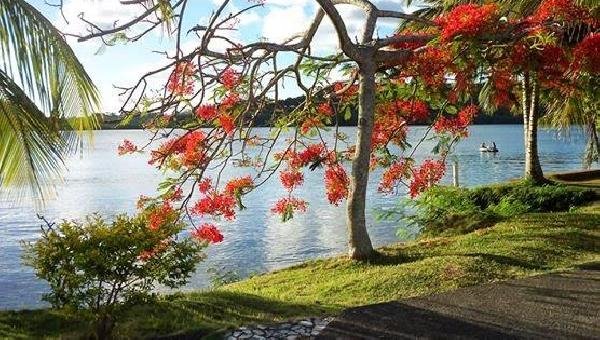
(31, 149)
(42, 80)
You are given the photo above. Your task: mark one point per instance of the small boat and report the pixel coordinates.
(488, 149)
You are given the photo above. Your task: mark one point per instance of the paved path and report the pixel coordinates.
(565, 305)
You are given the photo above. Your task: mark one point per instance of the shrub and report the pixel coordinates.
(103, 269)
(443, 209)
(449, 210)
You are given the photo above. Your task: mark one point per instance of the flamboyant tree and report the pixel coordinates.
(392, 81)
(540, 69)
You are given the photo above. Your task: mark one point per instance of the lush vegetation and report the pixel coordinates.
(99, 270)
(529, 244)
(449, 210)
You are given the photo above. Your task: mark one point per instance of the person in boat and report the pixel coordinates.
(483, 145)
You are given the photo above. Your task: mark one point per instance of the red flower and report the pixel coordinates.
(215, 204)
(325, 109)
(559, 10)
(336, 183)
(502, 82)
(428, 174)
(126, 147)
(291, 178)
(457, 125)
(467, 20)
(205, 185)
(194, 153)
(238, 185)
(287, 206)
(587, 54)
(395, 173)
(231, 100)
(206, 112)
(207, 232)
(227, 123)
(159, 215)
(414, 110)
(147, 255)
(174, 195)
(309, 123)
(229, 78)
(181, 80)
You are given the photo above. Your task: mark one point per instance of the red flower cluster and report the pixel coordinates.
(325, 109)
(467, 20)
(174, 194)
(207, 232)
(311, 154)
(189, 150)
(239, 186)
(413, 110)
(287, 206)
(428, 174)
(336, 183)
(227, 123)
(159, 215)
(309, 123)
(147, 255)
(229, 78)
(392, 175)
(430, 65)
(230, 100)
(206, 112)
(552, 64)
(390, 125)
(216, 204)
(126, 147)
(194, 152)
(181, 81)
(502, 82)
(291, 178)
(559, 10)
(458, 125)
(587, 54)
(205, 185)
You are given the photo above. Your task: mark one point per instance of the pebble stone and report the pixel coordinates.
(291, 330)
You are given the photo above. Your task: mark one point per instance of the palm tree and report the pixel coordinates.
(583, 111)
(46, 99)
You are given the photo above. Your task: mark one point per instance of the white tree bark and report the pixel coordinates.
(533, 168)
(359, 242)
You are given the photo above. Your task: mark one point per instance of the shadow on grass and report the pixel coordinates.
(175, 316)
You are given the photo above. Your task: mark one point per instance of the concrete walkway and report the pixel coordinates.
(557, 306)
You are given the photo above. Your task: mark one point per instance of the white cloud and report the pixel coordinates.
(286, 18)
(104, 13)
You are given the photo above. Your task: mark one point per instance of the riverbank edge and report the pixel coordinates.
(325, 287)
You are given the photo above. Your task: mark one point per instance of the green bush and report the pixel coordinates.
(450, 210)
(102, 269)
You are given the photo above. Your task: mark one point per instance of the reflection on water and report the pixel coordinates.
(257, 241)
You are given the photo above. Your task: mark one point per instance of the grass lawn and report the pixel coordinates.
(527, 245)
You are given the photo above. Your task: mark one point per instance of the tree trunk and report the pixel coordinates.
(592, 152)
(533, 168)
(359, 243)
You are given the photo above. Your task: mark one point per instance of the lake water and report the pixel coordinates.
(257, 241)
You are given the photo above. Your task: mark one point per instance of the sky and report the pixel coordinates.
(123, 64)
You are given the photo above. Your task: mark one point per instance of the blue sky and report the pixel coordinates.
(122, 65)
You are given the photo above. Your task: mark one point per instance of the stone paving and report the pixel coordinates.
(298, 329)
